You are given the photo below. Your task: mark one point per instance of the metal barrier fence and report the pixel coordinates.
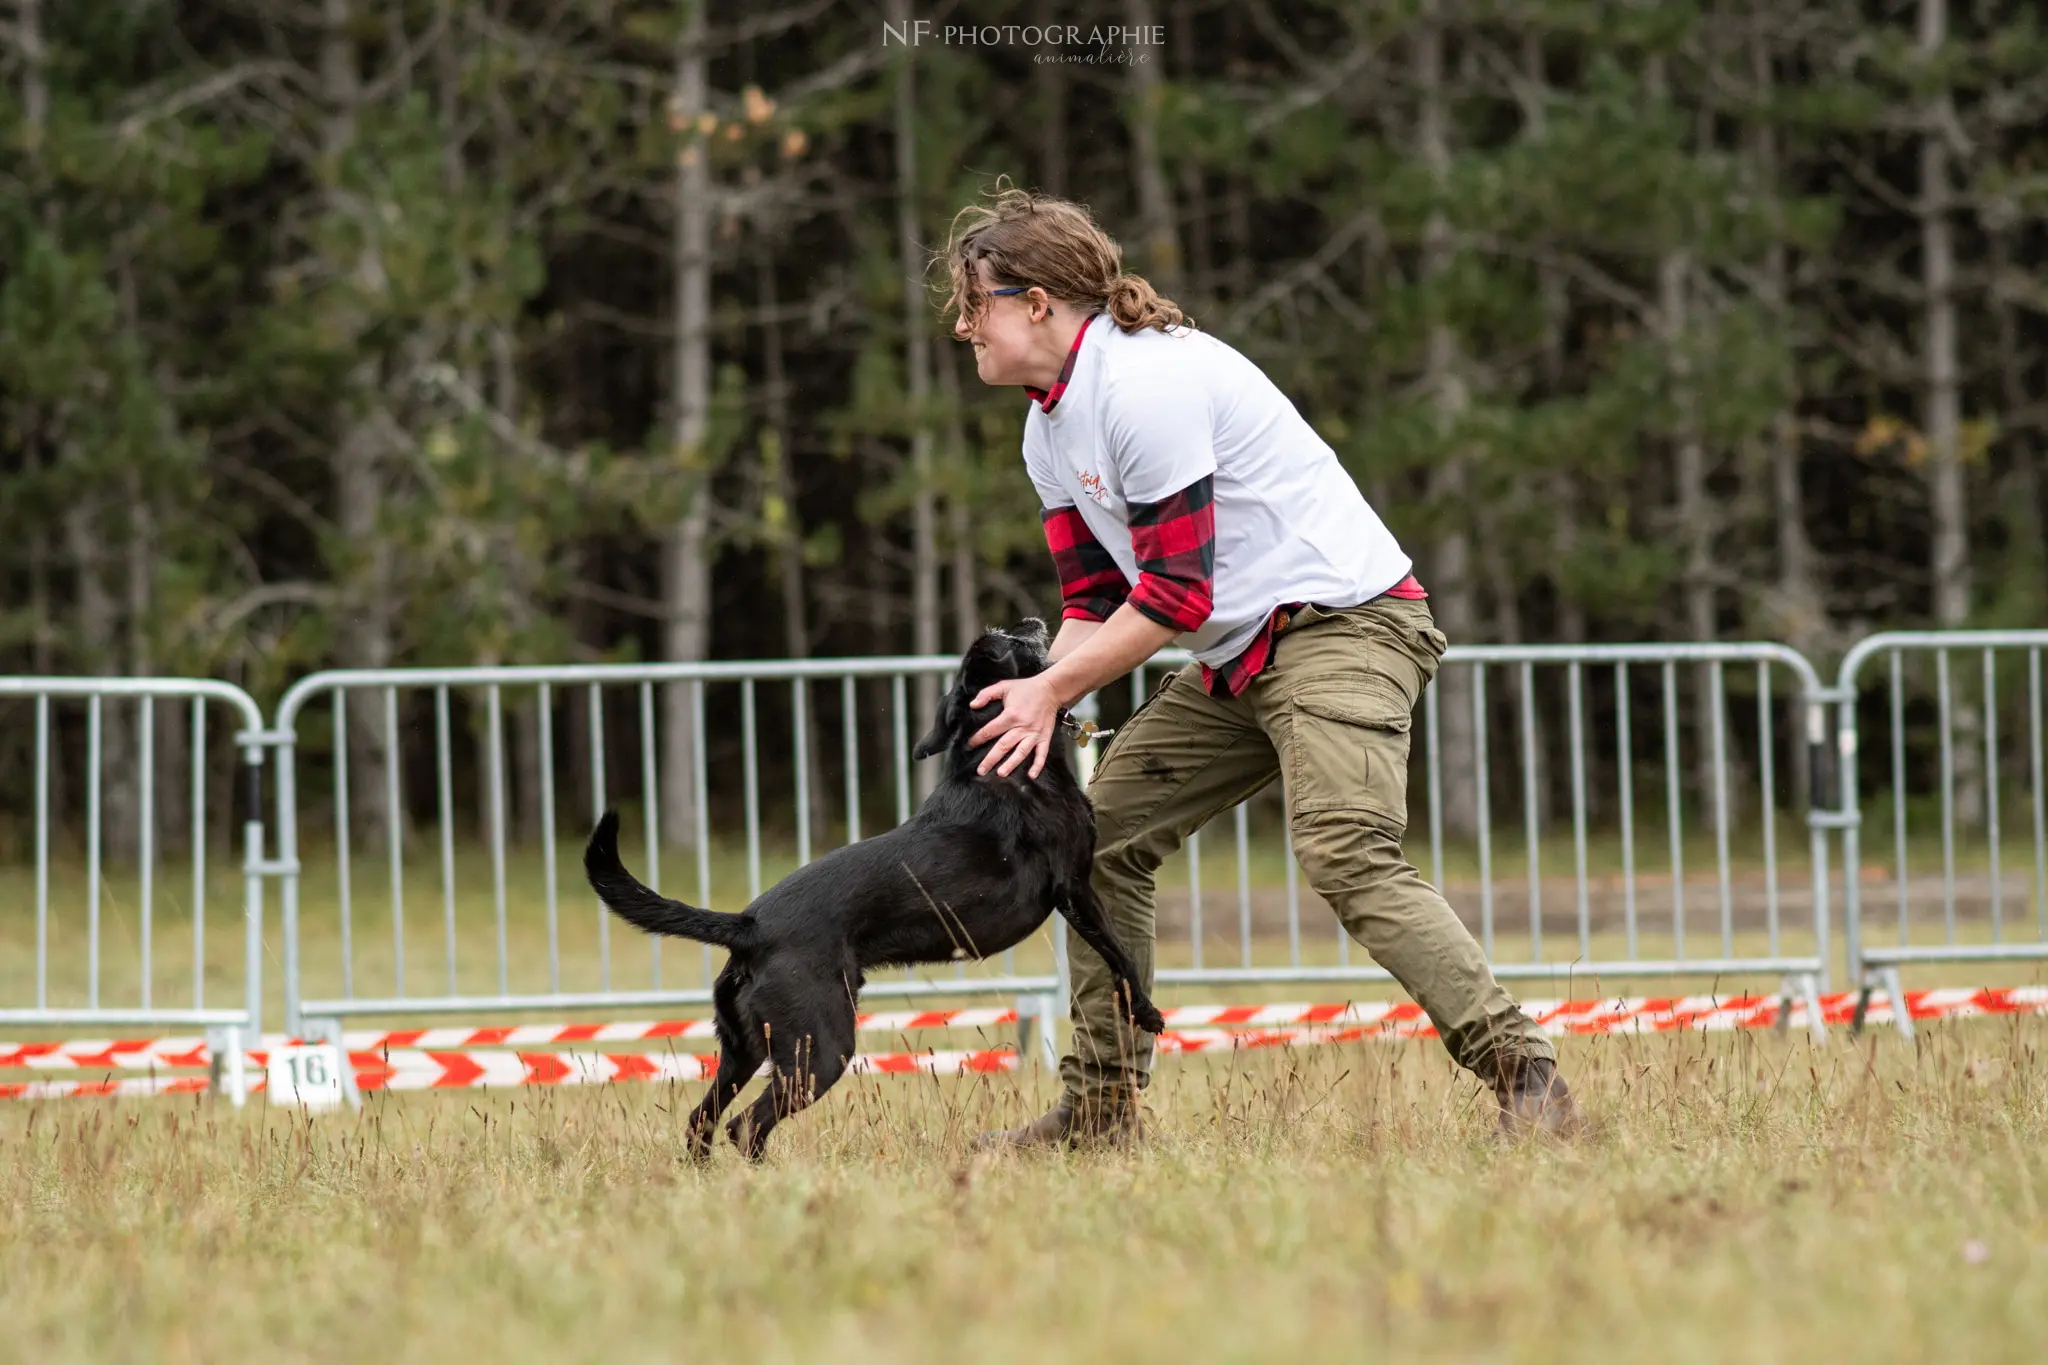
(1624, 916)
(331, 979)
(1987, 722)
(58, 732)
(1627, 908)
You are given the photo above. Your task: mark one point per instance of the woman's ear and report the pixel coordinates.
(951, 707)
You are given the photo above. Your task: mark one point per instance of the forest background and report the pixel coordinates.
(365, 333)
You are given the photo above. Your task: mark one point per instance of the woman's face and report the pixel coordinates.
(1007, 334)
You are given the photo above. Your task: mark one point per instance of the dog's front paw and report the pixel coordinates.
(1148, 1016)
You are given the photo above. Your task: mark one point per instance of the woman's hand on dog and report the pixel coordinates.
(1024, 728)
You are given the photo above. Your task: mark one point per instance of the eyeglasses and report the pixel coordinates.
(1013, 289)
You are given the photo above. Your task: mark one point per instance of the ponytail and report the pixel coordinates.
(1134, 304)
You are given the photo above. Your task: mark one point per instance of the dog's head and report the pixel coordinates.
(997, 656)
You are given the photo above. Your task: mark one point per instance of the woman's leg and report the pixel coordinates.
(1182, 759)
(1337, 703)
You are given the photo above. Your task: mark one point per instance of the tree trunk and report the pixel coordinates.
(788, 530)
(2027, 538)
(364, 639)
(98, 629)
(1162, 263)
(139, 556)
(967, 622)
(1801, 605)
(1452, 580)
(1050, 80)
(924, 548)
(1556, 303)
(1943, 403)
(686, 550)
(1693, 511)
(42, 553)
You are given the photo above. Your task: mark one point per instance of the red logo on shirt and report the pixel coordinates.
(1094, 487)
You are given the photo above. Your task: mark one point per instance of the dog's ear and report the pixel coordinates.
(1033, 629)
(951, 709)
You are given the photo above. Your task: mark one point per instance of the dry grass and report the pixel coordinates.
(1743, 1198)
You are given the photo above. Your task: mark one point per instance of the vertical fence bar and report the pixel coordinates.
(41, 850)
(597, 809)
(146, 808)
(342, 850)
(1293, 886)
(198, 853)
(1991, 792)
(1717, 729)
(901, 731)
(849, 720)
(1531, 826)
(2034, 727)
(544, 716)
(1574, 686)
(700, 778)
(1948, 796)
(1898, 700)
(1244, 886)
(750, 771)
(494, 706)
(394, 839)
(444, 780)
(1626, 765)
(146, 840)
(1671, 800)
(1767, 748)
(1484, 804)
(650, 799)
(1195, 894)
(1436, 786)
(251, 786)
(800, 699)
(92, 850)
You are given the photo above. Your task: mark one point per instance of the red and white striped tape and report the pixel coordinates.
(420, 1069)
(419, 1059)
(125, 1086)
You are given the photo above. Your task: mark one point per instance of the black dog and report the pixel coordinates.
(976, 870)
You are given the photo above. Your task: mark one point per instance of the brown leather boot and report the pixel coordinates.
(1534, 1099)
(1066, 1124)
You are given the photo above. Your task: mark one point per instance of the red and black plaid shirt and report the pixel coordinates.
(1174, 542)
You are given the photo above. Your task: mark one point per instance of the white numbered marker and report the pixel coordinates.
(308, 1076)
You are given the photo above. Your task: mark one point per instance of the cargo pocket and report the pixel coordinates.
(1349, 749)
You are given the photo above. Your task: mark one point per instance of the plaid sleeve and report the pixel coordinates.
(1090, 581)
(1175, 543)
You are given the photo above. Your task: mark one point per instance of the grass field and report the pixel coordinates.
(1740, 1198)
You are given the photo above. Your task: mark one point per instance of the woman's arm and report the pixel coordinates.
(1074, 632)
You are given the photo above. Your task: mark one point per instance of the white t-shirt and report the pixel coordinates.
(1146, 414)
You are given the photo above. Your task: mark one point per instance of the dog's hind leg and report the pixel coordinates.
(740, 1054)
(1091, 922)
(809, 1049)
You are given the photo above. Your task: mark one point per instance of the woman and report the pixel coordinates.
(1185, 499)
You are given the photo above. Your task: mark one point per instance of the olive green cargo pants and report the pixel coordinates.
(1331, 713)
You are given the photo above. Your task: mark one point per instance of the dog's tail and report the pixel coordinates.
(635, 903)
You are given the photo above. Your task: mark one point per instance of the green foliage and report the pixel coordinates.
(214, 278)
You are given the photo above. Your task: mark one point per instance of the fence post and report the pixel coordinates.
(253, 872)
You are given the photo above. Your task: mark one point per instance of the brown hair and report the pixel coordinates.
(1035, 239)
